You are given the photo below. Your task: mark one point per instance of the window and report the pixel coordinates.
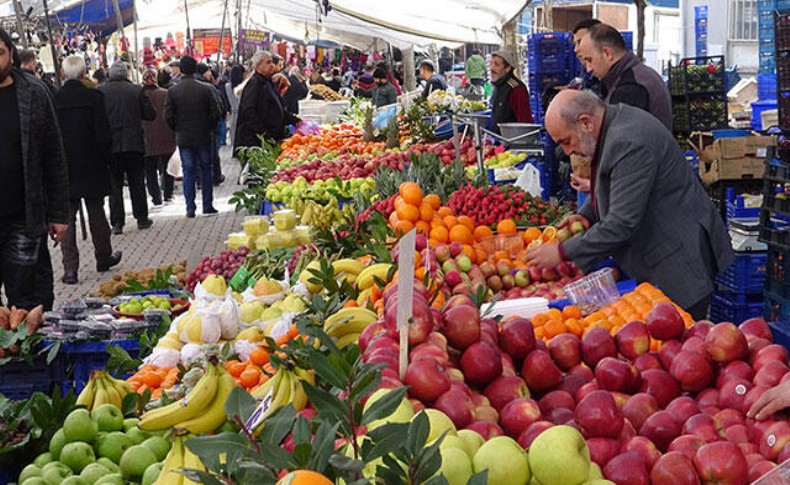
(743, 19)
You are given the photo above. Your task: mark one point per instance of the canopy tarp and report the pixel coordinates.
(95, 15)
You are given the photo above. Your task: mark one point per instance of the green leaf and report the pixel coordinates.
(328, 406)
(120, 362)
(429, 461)
(302, 454)
(344, 463)
(277, 426)
(386, 439)
(365, 382)
(385, 406)
(418, 432)
(327, 371)
(438, 480)
(52, 351)
(323, 446)
(129, 404)
(240, 403)
(199, 476)
(301, 431)
(479, 478)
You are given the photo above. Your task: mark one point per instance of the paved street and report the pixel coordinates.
(172, 238)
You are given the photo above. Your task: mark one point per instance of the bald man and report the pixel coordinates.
(645, 208)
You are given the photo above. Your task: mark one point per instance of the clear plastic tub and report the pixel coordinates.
(284, 220)
(511, 244)
(778, 476)
(255, 225)
(290, 239)
(594, 291)
(304, 233)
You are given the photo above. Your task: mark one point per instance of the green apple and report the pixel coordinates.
(450, 441)
(472, 441)
(55, 472)
(108, 418)
(599, 481)
(402, 414)
(506, 462)
(138, 436)
(109, 464)
(560, 455)
(113, 445)
(440, 423)
(29, 471)
(56, 443)
(35, 481)
(74, 480)
(151, 474)
(43, 459)
(77, 455)
(456, 466)
(111, 479)
(160, 446)
(130, 423)
(93, 472)
(595, 472)
(79, 426)
(134, 462)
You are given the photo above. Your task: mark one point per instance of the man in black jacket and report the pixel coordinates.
(206, 76)
(433, 82)
(88, 145)
(191, 110)
(127, 106)
(261, 111)
(34, 199)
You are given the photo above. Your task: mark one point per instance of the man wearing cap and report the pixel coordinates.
(510, 100)
(433, 81)
(175, 72)
(383, 92)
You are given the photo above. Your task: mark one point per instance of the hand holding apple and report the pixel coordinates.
(772, 400)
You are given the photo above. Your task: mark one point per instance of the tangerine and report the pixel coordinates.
(440, 233)
(393, 219)
(235, 367)
(423, 227)
(426, 212)
(304, 477)
(572, 311)
(408, 212)
(433, 200)
(506, 226)
(531, 234)
(461, 234)
(482, 232)
(398, 202)
(467, 221)
(444, 211)
(411, 193)
(259, 356)
(450, 222)
(250, 376)
(402, 227)
(152, 379)
(554, 328)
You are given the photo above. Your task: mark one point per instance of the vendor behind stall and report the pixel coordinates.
(383, 92)
(510, 100)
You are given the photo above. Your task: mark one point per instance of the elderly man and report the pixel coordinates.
(624, 78)
(88, 144)
(510, 100)
(433, 81)
(646, 209)
(261, 110)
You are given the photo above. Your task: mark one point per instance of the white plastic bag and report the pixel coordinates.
(174, 164)
(202, 295)
(229, 318)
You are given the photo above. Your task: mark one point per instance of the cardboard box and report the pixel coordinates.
(732, 158)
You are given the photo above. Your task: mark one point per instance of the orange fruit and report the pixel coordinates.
(554, 314)
(444, 211)
(461, 234)
(152, 380)
(393, 219)
(571, 311)
(531, 234)
(467, 221)
(437, 222)
(304, 477)
(408, 212)
(482, 232)
(470, 251)
(440, 233)
(235, 367)
(450, 222)
(506, 226)
(402, 227)
(411, 193)
(423, 227)
(426, 212)
(398, 202)
(481, 255)
(259, 356)
(549, 234)
(554, 328)
(501, 256)
(540, 319)
(433, 200)
(250, 376)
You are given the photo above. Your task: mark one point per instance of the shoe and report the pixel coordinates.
(168, 200)
(145, 224)
(70, 278)
(219, 181)
(157, 207)
(210, 211)
(117, 230)
(113, 260)
(190, 214)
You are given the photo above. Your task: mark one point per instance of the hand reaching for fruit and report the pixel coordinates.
(772, 400)
(543, 256)
(572, 221)
(580, 184)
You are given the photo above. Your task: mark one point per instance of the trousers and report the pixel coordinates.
(131, 165)
(100, 234)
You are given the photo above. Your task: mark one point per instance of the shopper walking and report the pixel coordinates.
(87, 142)
(33, 175)
(127, 106)
(160, 143)
(206, 76)
(192, 112)
(236, 78)
(475, 69)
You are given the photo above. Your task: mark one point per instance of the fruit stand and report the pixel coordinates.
(377, 323)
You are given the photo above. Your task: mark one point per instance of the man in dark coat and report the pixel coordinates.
(88, 145)
(127, 107)
(433, 81)
(261, 111)
(160, 143)
(646, 208)
(510, 100)
(192, 112)
(34, 175)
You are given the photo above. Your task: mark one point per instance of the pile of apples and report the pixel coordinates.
(446, 151)
(345, 167)
(676, 416)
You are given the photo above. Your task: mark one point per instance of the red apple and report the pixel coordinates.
(664, 322)
(675, 468)
(427, 380)
(627, 433)
(774, 440)
(732, 394)
(752, 396)
(638, 408)
(756, 328)
(735, 370)
(725, 343)
(688, 444)
(586, 389)
(518, 415)
(752, 457)
(627, 469)
(428, 351)
(486, 413)
(659, 384)
(598, 416)
(694, 343)
(508, 368)
(479, 399)
(683, 408)
(481, 364)
(597, 344)
(371, 332)
(645, 448)
(560, 416)
(565, 349)
(647, 361)
(632, 339)
(784, 455)
(617, 375)
(457, 406)
(730, 417)
(486, 429)
(736, 433)
(772, 352)
(661, 428)
(556, 400)
(770, 374)
(540, 372)
(462, 326)
(504, 389)
(526, 438)
(602, 450)
(704, 426)
(517, 337)
(692, 370)
(667, 353)
(708, 398)
(758, 429)
(576, 378)
(699, 329)
(457, 300)
(759, 469)
(721, 462)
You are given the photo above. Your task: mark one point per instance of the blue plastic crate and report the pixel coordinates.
(547, 65)
(766, 33)
(628, 38)
(746, 274)
(757, 108)
(19, 380)
(86, 357)
(723, 308)
(766, 4)
(776, 308)
(766, 86)
(268, 207)
(737, 210)
(548, 44)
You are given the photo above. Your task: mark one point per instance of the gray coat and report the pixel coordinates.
(650, 213)
(127, 107)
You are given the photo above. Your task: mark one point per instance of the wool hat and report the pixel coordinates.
(508, 56)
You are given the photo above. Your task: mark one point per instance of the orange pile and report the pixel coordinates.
(256, 369)
(154, 378)
(632, 306)
(334, 140)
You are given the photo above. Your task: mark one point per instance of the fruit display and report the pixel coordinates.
(225, 264)
(102, 388)
(321, 215)
(142, 279)
(446, 151)
(505, 159)
(488, 206)
(137, 305)
(319, 190)
(340, 138)
(345, 167)
(326, 92)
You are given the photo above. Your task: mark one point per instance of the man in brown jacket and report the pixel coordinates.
(160, 143)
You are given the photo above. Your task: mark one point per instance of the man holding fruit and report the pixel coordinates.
(646, 209)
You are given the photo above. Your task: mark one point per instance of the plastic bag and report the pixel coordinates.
(244, 348)
(229, 318)
(174, 164)
(162, 357)
(202, 294)
(307, 127)
(383, 118)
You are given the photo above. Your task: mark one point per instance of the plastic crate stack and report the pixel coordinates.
(19, 380)
(775, 232)
(701, 29)
(550, 60)
(698, 86)
(782, 44)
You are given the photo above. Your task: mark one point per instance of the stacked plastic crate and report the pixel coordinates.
(775, 232)
(698, 87)
(549, 60)
(701, 29)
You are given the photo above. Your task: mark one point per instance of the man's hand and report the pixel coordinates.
(772, 400)
(544, 256)
(56, 231)
(580, 184)
(571, 218)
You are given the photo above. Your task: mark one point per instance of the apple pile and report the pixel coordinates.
(446, 151)
(225, 264)
(345, 167)
(489, 205)
(677, 415)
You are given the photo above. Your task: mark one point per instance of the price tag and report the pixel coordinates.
(529, 180)
(256, 418)
(405, 296)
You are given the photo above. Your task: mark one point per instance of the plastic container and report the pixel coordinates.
(766, 86)
(304, 233)
(284, 220)
(746, 274)
(255, 225)
(19, 380)
(511, 244)
(290, 238)
(87, 357)
(239, 239)
(594, 291)
(735, 307)
(757, 109)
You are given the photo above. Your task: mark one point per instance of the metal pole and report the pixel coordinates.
(52, 44)
(222, 30)
(239, 7)
(135, 66)
(189, 34)
(19, 24)
(119, 22)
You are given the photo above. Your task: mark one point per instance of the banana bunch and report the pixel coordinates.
(102, 388)
(202, 410)
(347, 269)
(285, 387)
(367, 278)
(323, 216)
(348, 323)
(179, 457)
